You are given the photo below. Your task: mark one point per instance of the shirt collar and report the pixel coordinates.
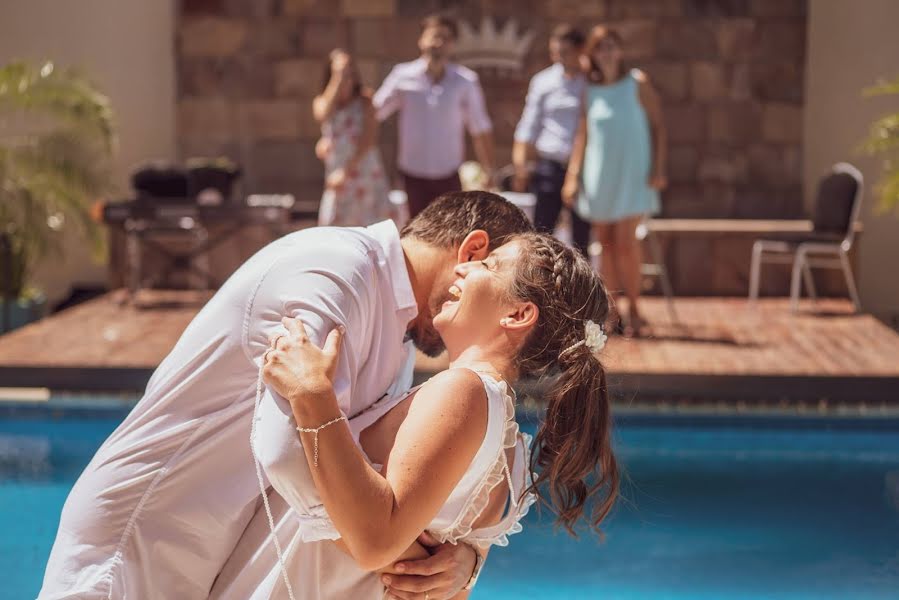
(420, 65)
(388, 237)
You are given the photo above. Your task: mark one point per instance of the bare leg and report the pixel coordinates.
(604, 232)
(629, 261)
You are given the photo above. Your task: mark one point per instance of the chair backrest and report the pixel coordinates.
(838, 202)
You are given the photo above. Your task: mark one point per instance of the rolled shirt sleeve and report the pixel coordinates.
(529, 125)
(387, 100)
(321, 298)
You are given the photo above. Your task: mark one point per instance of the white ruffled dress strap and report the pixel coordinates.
(495, 473)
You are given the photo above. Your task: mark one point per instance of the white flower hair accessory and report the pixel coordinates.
(594, 339)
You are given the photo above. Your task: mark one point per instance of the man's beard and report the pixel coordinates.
(435, 54)
(427, 340)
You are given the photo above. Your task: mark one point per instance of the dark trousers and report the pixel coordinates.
(420, 192)
(546, 183)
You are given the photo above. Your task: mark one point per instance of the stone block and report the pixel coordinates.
(685, 122)
(778, 8)
(239, 76)
(643, 9)
(281, 160)
(310, 8)
(678, 40)
(758, 201)
(389, 39)
(715, 8)
(781, 82)
(682, 162)
(367, 8)
(189, 147)
(576, 10)
(718, 200)
(208, 118)
(310, 129)
(682, 200)
(734, 123)
(669, 78)
(371, 71)
(765, 165)
(318, 37)
(299, 77)
(211, 36)
(774, 165)
(639, 38)
(708, 80)
(728, 168)
(780, 41)
(740, 87)
(253, 9)
(274, 38)
(735, 38)
(201, 7)
(271, 119)
(782, 123)
(417, 8)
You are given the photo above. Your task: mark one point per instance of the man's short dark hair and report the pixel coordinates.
(569, 33)
(441, 20)
(447, 220)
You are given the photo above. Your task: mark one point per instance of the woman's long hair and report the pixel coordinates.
(359, 90)
(573, 447)
(597, 35)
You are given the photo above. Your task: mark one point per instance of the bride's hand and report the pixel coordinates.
(296, 368)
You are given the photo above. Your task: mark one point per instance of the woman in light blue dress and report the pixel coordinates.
(617, 165)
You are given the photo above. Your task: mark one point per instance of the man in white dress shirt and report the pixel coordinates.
(545, 133)
(437, 101)
(162, 505)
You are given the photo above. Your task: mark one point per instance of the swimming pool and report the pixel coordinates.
(715, 509)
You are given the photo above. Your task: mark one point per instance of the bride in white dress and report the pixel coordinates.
(447, 457)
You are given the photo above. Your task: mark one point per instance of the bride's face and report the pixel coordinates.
(480, 299)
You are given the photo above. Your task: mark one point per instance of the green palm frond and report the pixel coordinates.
(883, 88)
(883, 142)
(52, 174)
(63, 94)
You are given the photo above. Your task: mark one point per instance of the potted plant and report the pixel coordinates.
(883, 141)
(56, 138)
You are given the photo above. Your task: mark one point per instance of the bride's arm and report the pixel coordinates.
(378, 516)
(413, 553)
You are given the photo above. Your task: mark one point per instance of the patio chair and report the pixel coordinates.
(657, 268)
(837, 207)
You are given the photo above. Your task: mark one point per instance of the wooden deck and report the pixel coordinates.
(720, 349)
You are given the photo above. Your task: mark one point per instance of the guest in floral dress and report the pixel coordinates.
(356, 189)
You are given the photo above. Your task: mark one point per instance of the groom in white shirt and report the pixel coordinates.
(164, 502)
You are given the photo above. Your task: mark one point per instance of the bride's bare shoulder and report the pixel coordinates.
(454, 391)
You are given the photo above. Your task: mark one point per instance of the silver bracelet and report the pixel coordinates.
(315, 430)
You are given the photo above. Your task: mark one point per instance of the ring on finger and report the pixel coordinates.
(276, 340)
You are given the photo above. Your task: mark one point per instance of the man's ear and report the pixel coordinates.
(475, 246)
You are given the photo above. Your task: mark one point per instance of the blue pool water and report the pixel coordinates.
(712, 511)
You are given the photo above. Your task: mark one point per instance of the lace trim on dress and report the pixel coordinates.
(463, 527)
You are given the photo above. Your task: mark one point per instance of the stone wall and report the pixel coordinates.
(730, 73)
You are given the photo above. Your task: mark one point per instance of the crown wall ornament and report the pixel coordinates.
(486, 47)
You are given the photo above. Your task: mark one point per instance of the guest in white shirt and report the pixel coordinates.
(437, 101)
(545, 133)
(162, 506)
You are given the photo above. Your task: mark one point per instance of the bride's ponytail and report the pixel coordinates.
(572, 460)
(573, 448)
